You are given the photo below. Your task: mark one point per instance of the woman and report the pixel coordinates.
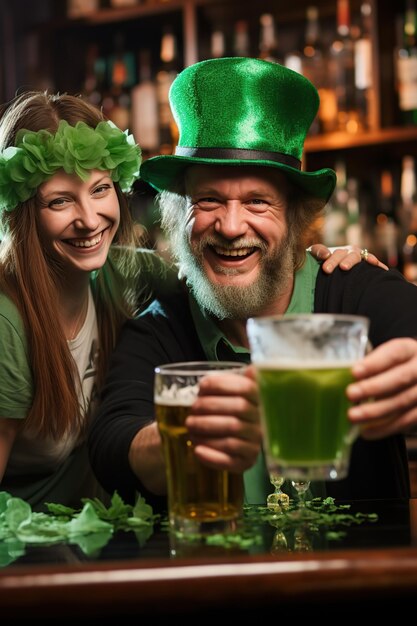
(69, 268)
(68, 274)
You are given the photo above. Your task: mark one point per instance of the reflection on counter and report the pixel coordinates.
(333, 526)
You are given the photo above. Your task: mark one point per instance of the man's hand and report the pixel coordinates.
(344, 257)
(385, 391)
(224, 422)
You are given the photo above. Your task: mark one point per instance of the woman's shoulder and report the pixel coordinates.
(9, 311)
(12, 328)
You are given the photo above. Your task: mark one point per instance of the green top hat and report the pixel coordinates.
(240, 111)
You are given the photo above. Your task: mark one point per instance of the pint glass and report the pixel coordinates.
(303, 365)
(200, 499)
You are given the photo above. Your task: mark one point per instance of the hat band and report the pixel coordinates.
(238, 154)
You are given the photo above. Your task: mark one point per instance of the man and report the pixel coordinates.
(237, 208)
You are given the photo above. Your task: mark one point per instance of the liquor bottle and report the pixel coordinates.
(144, 113)
(408, 217)
(168, 132)
(410, 258)
(387, 232)
(406, 211)
(365, 93)
(313, 64)
(116, 104)
(93, 81)
(293, 59)
(354, 230)
(217, 44)
(268, 41)
(80, 8)
(336, 218)
(241, 44)
(314, 67)
(122, 3)
(342, 72)
(406, 66)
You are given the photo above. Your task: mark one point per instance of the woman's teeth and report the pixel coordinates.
(86, 243)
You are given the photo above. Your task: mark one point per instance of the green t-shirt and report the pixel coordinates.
(217, 347)
(43, 470)
(40, 470)
(16, 387)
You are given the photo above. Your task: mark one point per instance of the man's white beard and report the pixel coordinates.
(234, 301)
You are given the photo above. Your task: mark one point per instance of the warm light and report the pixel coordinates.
(309, 51)
(386, 184)
(352, 126)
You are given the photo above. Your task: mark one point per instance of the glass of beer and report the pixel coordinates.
(201, 499)
(303, 365)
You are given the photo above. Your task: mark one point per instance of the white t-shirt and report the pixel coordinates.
(34, 455)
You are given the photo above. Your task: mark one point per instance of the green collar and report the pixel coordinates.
(302, 299)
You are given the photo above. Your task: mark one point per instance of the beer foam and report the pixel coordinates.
(306, 364)
(176, 395)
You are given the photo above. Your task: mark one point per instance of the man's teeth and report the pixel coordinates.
(86, 243)
(233, 252)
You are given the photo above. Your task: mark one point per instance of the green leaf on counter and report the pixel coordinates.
(10, 550)
(17, 513)
(89, 527)
(319, 513)
(117, 511)
(91, 544)
(87, 521)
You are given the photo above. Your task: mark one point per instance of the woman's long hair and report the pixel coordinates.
(30, 279)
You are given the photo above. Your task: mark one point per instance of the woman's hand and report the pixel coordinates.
(344, 257)
(224, 422)
(385, 391)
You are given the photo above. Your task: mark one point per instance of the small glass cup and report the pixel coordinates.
(201, 499)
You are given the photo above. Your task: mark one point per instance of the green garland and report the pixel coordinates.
(76, 149)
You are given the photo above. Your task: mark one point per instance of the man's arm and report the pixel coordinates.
(124, 442)
(146, 459)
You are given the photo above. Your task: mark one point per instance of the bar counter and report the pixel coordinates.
(373, 567)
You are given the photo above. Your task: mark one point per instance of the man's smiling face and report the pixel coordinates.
(234, 247)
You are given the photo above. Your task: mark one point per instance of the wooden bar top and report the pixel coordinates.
(379, 575)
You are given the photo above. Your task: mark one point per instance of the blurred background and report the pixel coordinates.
(361, 55)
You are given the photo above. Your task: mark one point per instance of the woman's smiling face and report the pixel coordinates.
(78, 219)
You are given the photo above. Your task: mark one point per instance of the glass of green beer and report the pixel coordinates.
(201, 500)
(303, 365)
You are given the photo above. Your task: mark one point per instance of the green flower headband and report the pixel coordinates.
(80, 149)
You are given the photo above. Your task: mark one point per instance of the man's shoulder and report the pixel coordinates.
(167, 322)
(342, 288)
(168, 315)
(170, 305)
(360, 273)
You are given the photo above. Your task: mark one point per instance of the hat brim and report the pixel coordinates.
(161, 172)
